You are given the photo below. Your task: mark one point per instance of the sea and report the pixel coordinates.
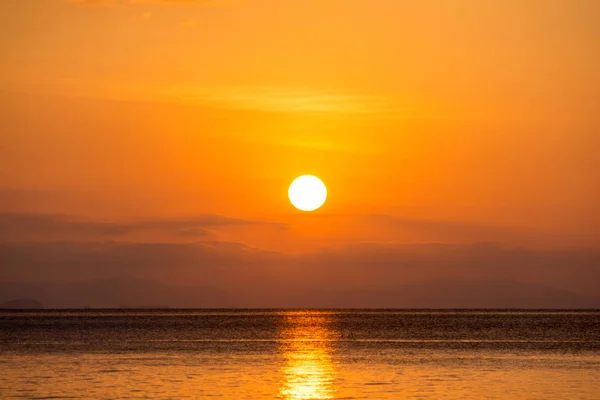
(300, 354)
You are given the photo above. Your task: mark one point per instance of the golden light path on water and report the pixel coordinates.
(308, 371)
(264, 355)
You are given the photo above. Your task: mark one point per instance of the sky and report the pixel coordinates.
(160, 136)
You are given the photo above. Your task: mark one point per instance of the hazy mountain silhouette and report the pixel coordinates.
(456, 294)
(22, 304)
(117, 292)
(133, 292)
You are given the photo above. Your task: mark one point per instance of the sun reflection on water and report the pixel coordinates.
(308, 371)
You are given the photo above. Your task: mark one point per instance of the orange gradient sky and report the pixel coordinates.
(429, 121)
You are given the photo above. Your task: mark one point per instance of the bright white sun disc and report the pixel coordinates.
(307, 193)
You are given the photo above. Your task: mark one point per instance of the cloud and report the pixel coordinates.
(191, 2)
(15, 225)
(382, 228)
(33, 226)
(188, 23)
(202, 3)
(420, 230)
(282, 99)
(92, 2)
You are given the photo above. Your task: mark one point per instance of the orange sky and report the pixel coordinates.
(429, 121)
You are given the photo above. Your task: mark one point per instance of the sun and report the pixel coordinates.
(307, 193)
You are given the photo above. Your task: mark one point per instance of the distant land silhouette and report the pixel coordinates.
(141, 293)
(117, 293)
(22, 304)
(457, 294)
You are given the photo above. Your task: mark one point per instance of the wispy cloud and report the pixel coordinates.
(283, 99)
(92, 2)
(33, 226)
(202, 3)
(188, 23)
(298, 99)
(191, 2)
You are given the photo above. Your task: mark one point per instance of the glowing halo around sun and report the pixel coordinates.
(307, 193)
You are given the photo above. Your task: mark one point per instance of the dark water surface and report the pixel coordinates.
(266, 354)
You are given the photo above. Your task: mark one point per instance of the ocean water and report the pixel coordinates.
(303, 354)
